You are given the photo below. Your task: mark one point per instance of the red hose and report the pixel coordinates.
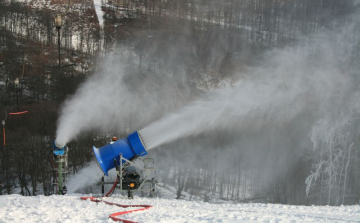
(113, 216)
(113, 188)
(18, 113)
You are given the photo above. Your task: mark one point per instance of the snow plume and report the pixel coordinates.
(87, 176)
(119, 97)
(315, 79)
(288, 82)
(286, 86)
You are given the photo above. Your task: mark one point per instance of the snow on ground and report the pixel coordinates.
(69, 208)
(99, 12)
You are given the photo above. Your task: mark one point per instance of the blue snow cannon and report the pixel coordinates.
(59, 150)
(130, 147)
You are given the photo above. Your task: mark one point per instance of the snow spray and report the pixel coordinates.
(117, 97)
(87, 176)
(305, 80)
(287, 83)
(275, 93)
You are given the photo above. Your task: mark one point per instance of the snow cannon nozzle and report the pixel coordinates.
(129, 148)
(58, 145)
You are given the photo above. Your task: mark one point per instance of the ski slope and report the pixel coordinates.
(69, 208)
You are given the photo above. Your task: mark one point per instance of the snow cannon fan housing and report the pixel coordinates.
(129, 147)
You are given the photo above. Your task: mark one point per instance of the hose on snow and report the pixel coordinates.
(113, 216)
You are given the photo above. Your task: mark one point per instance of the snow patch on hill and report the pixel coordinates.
(99, 12)
(69, 208)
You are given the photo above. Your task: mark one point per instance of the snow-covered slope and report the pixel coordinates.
(69, 208)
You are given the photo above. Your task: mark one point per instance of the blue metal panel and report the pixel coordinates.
(58, 152)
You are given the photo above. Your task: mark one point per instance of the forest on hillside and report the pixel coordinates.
(183, 49)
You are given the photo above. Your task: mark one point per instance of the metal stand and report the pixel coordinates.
(120, 172)
(130, 194)
(62, 171)
(103, 185)
(143, 172)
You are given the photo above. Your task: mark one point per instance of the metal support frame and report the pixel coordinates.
(145, 170)
(62, 171)
(120, 171)
(103, 185)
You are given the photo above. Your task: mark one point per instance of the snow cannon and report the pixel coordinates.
(58, 149)
(123, 150)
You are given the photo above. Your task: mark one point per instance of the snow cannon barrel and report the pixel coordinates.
(59, 149)
(130, 147)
